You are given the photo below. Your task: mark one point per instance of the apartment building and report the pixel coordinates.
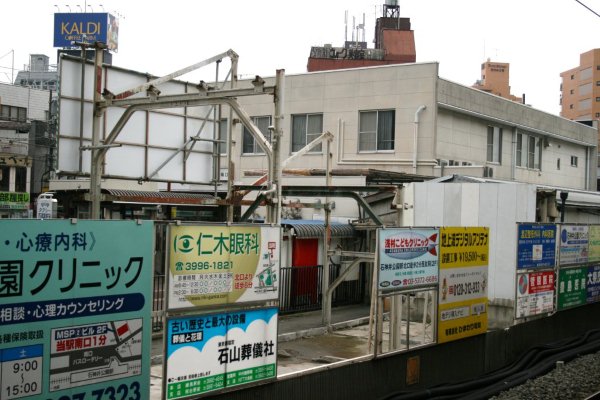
(495, 79)
(580, 89)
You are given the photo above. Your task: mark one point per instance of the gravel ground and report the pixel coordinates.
(575, 380)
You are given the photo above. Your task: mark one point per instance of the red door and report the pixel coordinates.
(305, 276)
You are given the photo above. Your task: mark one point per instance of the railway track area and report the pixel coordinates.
(568, 369)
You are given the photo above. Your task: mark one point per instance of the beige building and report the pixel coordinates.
(495, 79)
(580, 89)
(406, 119)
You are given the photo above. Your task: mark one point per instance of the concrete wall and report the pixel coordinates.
(458, 361)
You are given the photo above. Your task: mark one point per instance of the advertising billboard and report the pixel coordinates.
(594, 243)
(593, 283)
(144, 149)
(535, 293)
(536, 246)
(212, 352)
(86, 27)
(464, 254)
(572, 289)
(219, 264)
(75, 308)
(408, 258)
(573, 247)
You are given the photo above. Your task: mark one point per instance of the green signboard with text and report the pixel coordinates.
(572, 290)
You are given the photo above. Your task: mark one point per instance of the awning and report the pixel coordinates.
(165, 198)
(316, 229)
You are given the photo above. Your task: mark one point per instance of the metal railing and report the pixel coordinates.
(299, 291)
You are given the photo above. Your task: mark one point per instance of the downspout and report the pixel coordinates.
(416, 136)
(513, 166)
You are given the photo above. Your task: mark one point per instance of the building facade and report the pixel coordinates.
(580, 89)
(406, 119)
(20, 109)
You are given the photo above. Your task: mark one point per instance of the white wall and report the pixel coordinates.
(496, 206)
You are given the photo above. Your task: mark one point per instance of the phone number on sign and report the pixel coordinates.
(122, 392)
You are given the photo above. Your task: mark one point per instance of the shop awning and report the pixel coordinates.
(316, 229)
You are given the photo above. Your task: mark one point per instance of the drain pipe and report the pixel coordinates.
(416, 136)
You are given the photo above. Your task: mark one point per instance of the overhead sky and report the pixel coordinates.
(539, 38)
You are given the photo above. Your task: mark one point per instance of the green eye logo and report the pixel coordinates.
(183, 244)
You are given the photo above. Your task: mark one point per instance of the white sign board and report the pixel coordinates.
(148, 140)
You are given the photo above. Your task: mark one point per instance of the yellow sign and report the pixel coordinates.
(464, 254)
(214, 264)
(594, 243)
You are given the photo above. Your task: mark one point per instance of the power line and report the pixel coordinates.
(598, 15)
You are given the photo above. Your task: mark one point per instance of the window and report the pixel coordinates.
(494, 144)
(250, 146)
(222, 135)
(376, 130)
(572, 91)
(558, 163)
(4, 178)
(305, 129)
(21, 179)
(597, 115)
(572, 76)
(574, 161)
(529, 151)
(570, 106)
(597, 83)
(597, 98)
(11, 113)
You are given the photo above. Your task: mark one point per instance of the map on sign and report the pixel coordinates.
(86, 354)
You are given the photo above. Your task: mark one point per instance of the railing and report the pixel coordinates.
(300, 288)
(158, 306)
(299, 291)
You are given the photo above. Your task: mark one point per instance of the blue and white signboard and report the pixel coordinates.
(593, 283)
(75, 309)
(536, 246)
(213, 352)
(573, 248)
(407, 258)
(86, 27)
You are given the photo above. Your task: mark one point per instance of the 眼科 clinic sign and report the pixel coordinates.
(219, 264)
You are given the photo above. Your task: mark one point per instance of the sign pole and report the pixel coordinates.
(97, 154)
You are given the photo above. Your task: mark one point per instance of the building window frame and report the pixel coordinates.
(306, 128)
(376, 130)
(574, 161)
(494, 145)
(249, 145)
(529, 151)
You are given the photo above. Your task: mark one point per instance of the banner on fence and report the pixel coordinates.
(408, 258)
(464, 254)
(535, 293)
(76, 299)
(572, 289)
(210, 264)
(212, 352)
(573, 247)
(536, 246)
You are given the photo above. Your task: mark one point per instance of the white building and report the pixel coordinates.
(406, 119)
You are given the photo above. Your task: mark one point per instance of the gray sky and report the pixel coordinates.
(540, 39)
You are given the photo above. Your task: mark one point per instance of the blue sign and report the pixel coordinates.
(536, 246)
(593, 283)
(85, 27)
